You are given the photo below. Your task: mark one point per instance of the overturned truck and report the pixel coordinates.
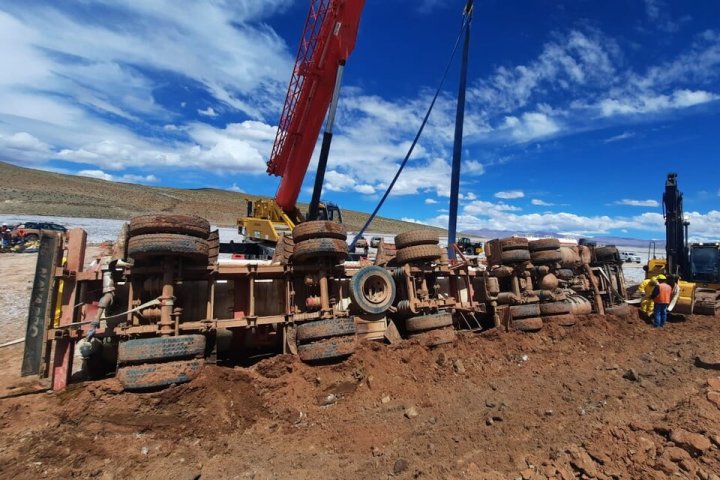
(163, 302)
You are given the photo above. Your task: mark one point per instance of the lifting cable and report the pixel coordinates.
(467, 16)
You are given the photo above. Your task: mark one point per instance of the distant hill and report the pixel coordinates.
(36, 192)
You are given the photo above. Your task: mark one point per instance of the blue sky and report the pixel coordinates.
(576, 109)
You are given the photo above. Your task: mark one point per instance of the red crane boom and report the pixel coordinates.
(327, 41)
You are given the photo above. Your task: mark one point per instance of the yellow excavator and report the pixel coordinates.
(693, 267)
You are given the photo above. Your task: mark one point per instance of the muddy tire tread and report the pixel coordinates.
(416, 237)
(167, 244)
(428, 322)
(192, 225)
(157, 375)
(328, 349)
(143, 350)
(320, 329)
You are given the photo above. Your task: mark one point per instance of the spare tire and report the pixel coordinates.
(372, 289)
(318, 229)
(192, 225)
(416, 237)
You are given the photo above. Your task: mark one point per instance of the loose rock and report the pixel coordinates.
(400, 466)
(693, 442)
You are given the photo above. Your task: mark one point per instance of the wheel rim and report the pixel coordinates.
(375, 290)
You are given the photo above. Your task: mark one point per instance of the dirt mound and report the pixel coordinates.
(608, 398)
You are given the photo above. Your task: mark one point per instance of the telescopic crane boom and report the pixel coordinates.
(327, 41)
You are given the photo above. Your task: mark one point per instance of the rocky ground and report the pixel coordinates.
(608, 398)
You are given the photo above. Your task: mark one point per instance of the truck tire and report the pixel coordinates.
(169, 223)
(435, 338)
(321, 329)
(143, 350)
(513, 243)
(157, 375)
(328, 349)
(528, 324)
(319, 248)
(318, 229)
(511, 257)
(418, 253)
(544, 244)
(162, 244)
(526, 310)
(372, 289)
(555, 308)
(416, 237)
(546, 256)
(428, 322)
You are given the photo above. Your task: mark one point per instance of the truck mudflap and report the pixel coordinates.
(40, 311)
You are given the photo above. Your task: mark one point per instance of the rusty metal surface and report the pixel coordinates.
(40, 311)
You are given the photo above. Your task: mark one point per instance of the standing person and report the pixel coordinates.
(647, 286)
(5, 236)
(661, 295)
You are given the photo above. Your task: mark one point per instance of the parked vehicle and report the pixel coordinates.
(375, 242)
(31, 231)
(629, 257)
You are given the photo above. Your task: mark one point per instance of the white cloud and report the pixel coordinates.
(235, 188)
(99, 174)
(510, 194)
(473, 167)
(208, 112)
(483, 208)
(129, 178)
(365, 189)
(619, 137)
(432, 201)
(637, 203)
(651, 103)
(530, 126)
(541, 203)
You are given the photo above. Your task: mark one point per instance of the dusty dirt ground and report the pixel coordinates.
(608, 398)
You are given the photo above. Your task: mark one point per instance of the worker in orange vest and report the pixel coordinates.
(661, 295)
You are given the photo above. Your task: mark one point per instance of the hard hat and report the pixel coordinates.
(661, 277)
(4, 224)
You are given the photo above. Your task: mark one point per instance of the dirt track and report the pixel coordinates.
(496, 406)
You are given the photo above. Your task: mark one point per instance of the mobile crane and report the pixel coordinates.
(327, 41)
(696, 266)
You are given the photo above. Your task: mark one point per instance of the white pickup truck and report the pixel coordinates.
(630, 257)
